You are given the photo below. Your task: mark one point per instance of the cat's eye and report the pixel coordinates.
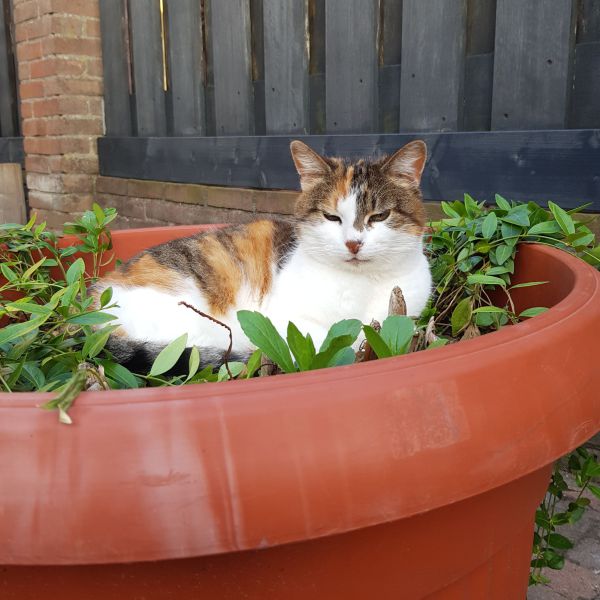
(379, 216)
(332, 217)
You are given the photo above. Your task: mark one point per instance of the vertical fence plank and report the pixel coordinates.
(585, 107)
(532, 64)
(286, 66)
(146, 44)
(351, 65)
(115, 53)
(209, 78)
(8, 93)
(390, 56)
(258, 64)
(231, 46)
(316, 65)
(433, 62)
(185, 41)
(479, 64)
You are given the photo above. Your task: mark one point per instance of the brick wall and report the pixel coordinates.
(60, 85)
(154, 203)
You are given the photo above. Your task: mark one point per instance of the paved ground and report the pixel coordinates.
(580, 577)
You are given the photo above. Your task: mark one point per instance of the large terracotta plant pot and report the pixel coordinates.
(410, 477)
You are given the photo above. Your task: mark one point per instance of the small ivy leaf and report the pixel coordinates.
(556, 540)
(120, 374)
(545, 228)
(75, 271)
(489, 225)
(106, 297)
(263, 334)
(527, 284)
(235, 367)
(594, 489)
(503, 253)
(461, 315)
(519, 216)
(168, 356)
(253, 363)
(563, 219)
(376, 342)
(194, 362)
(502, 203)
(533, 312)
(397, 332)
(349, 327)
(480, 279)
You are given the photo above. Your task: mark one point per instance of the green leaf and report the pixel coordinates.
(545, 228)
(480, 279)
(376, 342)
(95, 342)
(555, 561)
(489, 225)
(302, 347)
(563, 218)
(262, 333)
(397, 332)
(75, 271)
(349, 327)
(17, 330)
(503, 253)
(556, 540)
(471, 206)
(91, 318)
(489, 309)
(461, 315)
(120, 374)
(518, 215)
(510, 233)
(99, 214)
(106, 297)
(502, 203)
(592, 256)
(533, 312)
(33, 268)
(254, 363)
(8, 273)
(169, 355)
(447, 208)
(594, 489)
(235, 367)
(193, 363)
(527, 284)
(346, 356)
(326, 358)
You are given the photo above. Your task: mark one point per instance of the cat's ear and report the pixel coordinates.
(407, 163)
(310, 166)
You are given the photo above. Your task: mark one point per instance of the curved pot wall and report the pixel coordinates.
(405, 477)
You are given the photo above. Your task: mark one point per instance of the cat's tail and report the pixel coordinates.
(139, 356)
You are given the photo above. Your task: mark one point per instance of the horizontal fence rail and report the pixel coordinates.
(559, 165)
(256, 67)
(9, 118)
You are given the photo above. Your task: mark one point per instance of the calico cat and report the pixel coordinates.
(356, 234)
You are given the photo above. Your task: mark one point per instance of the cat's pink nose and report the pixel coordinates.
(353, 246)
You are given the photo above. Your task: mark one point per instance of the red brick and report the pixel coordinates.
(31, 89)
(42, 145)
(189, 213)
(128, 207)
(275, 201)
(83, 8)
(25, 11)
(94, 67)
(73, 203)
(92, 28)
(39, 199)
(145, 189)
(72, 125)
(58, 86)
(38, 164)
(45, 107)
(31, 30)
(29, 50)
(67, 25)
(229, 198)
(111, 185)
(78, 164)
(72, 46)
(51, 183)
(188, 194)
(54, 220)
(75, 183)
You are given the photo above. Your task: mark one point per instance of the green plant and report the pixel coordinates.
(548, 544)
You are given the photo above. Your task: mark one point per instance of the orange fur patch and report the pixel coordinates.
(342, 188)
(145, 272)
(225, 277)
(254, 246)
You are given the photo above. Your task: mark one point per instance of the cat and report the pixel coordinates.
(357, 232)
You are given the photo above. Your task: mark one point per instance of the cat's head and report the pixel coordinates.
(365, 214)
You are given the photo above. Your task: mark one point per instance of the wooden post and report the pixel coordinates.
(12, 195)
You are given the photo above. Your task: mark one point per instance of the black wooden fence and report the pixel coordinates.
(11, 147)
(462, 71)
